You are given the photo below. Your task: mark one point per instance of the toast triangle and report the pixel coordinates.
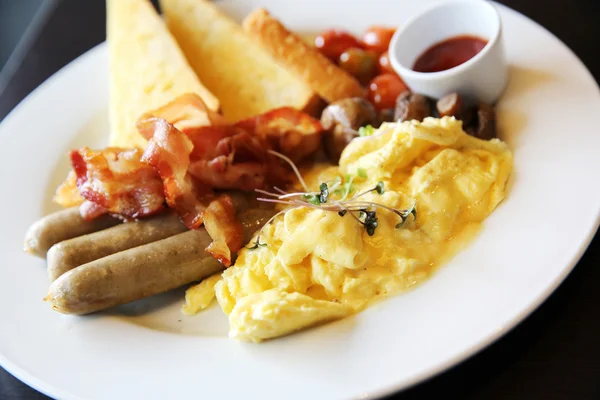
(232, 65)
(147, 68)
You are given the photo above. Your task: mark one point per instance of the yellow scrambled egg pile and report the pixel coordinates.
(318, 266)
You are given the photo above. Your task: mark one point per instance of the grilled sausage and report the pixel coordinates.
(62, 225)
(69, 254)
(68, 224)
(142, 271)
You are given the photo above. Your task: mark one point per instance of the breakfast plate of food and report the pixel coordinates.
(332, 200)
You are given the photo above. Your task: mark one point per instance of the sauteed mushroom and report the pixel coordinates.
(410, 106)
(341, 121)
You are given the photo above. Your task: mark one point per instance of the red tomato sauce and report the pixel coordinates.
(449, 53)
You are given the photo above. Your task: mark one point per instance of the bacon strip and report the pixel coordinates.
(90, 210)
(236, 162)
(223, 156)
(287, 130)
(206, 140)
(67, 194)
(117, 181)
(186, 111)
(224, 228)
(168, 151)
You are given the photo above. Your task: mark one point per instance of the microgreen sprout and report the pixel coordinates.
(312, 199)
(370, 222)
(379, 188)
(324, 192)
(364, 212)
(411, 211)
(291, 163)
(347, 187)
(256, 245)
(366, 131)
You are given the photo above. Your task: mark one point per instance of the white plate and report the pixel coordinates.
(148, 350)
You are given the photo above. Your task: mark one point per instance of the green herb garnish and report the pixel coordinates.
(371, 222)
(365, 212)
(313, 199)
(366, 131)
(324, 192)
(256, 244)
(412, 211)
(347, 186)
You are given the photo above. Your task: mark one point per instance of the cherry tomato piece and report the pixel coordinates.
(332, 43)
(385, 67)
(377, 38)
(359, 63)
(384, 89)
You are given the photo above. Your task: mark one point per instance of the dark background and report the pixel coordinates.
(553, 354)
(15, 17)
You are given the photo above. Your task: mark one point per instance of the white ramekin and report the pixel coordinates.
(482, 78)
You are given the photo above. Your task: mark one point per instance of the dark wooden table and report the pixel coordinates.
(553, 354)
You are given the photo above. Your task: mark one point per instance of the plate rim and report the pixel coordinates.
(53, 391)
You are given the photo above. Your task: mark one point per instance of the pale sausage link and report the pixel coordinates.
(69, 254)
(62, 225)
(142, 271)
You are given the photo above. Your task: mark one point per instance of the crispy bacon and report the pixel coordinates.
(117, 181)
(168, 151)
(218, 173)
(223, 156)
(207, 140)
(235, 162)
(224, 228)
(287, 130)
(186, 111)
(67, 194)
(90, 210)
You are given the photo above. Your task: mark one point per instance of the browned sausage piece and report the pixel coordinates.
(62, 225)
(142, 271)
(69, 254)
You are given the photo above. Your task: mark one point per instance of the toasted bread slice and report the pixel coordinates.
(327, 79)
(245, 78)
(147, 68)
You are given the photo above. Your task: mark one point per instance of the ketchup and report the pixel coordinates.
(449, 53)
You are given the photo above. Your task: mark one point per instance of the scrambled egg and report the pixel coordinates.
(318, 266)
